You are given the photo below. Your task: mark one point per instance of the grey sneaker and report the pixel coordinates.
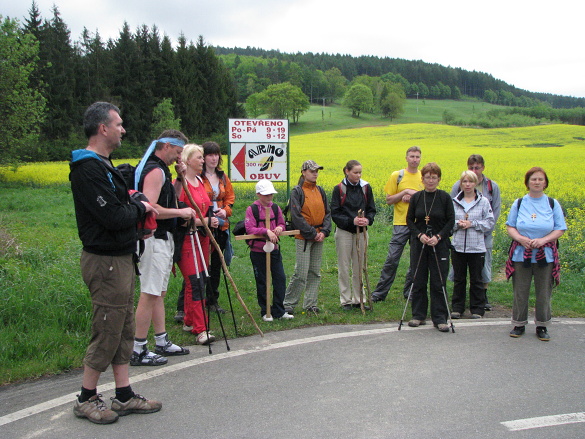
(95, 410)
(136, 404)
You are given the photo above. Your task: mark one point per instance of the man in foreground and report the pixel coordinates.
(400, 187)
(106, 221)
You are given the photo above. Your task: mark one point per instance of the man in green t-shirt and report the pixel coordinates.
(400, 187)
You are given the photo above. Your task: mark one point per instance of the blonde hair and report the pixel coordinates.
(470, 175)
(189, 150)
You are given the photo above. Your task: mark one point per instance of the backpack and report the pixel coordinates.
(240, 227)
(128, 172)
(286, 212)
(343, 191)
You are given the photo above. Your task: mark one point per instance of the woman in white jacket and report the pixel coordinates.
(473, 219)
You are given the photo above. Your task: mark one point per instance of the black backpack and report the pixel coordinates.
(240, 227)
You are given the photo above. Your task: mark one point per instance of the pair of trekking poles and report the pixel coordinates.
(422, 250)
(226, 272)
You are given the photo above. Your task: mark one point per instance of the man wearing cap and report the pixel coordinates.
(400, 187)
(256, 225)
(153, 178)
(310, 214)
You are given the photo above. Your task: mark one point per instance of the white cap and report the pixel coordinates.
(265, 187)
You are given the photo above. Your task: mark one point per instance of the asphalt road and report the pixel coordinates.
(369, 381)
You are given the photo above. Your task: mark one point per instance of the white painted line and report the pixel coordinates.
(544, 421)
(393, 327)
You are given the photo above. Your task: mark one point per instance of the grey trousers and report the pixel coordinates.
(307, 275)
(543, 283)
(400, 236)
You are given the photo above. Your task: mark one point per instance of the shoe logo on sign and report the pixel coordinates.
(268, 164)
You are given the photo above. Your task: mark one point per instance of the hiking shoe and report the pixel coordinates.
(474, 316)
(137, 404)
(357, 305)
(187, 328)
(289, 309)
(312, 309)
(95, 410)
(376, 299)
(287, 316)
(204, 339)
(455, 315)
(415, 323)
(266, 318)
(443, 327)
(170, 349)
(179, 316)
(488, 306)
(216, 308)
(347, 307)
(147, 358)
(542, 333)
(517, 331)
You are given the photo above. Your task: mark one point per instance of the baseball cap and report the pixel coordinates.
(311, 165)
(265, 187)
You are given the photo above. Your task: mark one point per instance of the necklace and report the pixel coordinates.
(428, 212)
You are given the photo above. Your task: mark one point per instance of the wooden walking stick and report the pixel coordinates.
(359, 255)
(220, 253)
(268, 258)
(365, 269)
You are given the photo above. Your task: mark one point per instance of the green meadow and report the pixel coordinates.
(45, 309)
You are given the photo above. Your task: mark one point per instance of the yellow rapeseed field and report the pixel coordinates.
(508, 152)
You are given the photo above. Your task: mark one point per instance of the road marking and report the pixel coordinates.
(70, 398)
(544, 421)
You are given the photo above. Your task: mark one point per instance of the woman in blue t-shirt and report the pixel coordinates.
(535, 223)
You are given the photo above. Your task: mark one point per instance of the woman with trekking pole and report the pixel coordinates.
(221, 193)
(348, 198)
(473, 220)
(431, 218)
(195, 249)
(535, 223)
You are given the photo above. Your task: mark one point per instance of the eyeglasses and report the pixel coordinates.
(431, 177)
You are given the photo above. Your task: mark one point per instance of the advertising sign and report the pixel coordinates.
(255, 161)
(258, 149)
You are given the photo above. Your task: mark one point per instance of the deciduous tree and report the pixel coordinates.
(22, 108)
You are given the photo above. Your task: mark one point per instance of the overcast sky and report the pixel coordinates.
(532, 44)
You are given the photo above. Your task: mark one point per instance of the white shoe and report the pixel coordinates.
(187, 328)
(266, 318)
(204, 339)
(287, 316)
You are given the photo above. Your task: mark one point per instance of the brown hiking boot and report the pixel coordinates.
(95, 410)
(136, 404)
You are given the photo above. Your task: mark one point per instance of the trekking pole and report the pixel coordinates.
(268, 270)
(408, 299)
(444, 291)
(205, 319)
(230, 302)
(359, 256)
(216, 246)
